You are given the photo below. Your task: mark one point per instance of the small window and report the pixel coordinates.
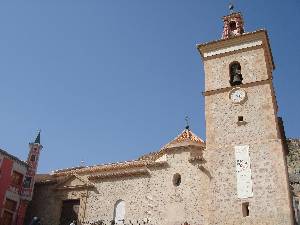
(27, 182)
(32, 158)
(176, 179)
(245, 209)
(10, 205)
(16, 179)
(240, 118)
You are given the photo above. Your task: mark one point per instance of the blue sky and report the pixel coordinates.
(110, 80)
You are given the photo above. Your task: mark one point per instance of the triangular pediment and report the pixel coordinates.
(186, 137)
(73, 181)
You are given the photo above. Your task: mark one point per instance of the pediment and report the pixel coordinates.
(73, 181)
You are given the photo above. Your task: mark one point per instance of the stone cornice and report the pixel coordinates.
(85, 183)
(73, 187)
(247, 142)
(109, 167)
(226, 89)
(120, 174)
(245, 41)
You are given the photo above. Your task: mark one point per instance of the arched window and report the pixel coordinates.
(232, 25)
(176, 179)
(119, 212)
(236, 77)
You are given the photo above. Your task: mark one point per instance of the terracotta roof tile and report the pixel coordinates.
(186, 137)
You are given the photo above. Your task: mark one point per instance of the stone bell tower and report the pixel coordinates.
(245, 153)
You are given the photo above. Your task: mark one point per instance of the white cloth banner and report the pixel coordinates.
(243, 171)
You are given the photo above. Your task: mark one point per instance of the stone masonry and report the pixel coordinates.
(146, 185)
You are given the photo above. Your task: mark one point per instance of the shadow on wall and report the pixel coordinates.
(127, 222)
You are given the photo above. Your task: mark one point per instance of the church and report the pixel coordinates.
(238, 175)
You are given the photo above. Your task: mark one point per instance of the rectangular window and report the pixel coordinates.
(27, 182)
(16, 179)
(245, 209)
(10, 205)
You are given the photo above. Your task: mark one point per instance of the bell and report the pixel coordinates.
(237, 79)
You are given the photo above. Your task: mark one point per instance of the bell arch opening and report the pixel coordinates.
(232, 25)
(235, 73)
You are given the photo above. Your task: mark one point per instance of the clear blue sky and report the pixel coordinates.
(110, 80)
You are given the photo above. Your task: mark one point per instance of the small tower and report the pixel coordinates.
(32, 160)
(233, 24)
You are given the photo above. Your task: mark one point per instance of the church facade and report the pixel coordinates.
(237, 176)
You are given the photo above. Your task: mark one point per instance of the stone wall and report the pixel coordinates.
(155, 199)
(270, 202)
(293, 160)
(152, 197)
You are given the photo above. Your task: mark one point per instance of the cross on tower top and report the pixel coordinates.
(231, 7)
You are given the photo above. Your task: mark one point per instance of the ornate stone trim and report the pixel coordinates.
(232, 48)
(120, 174)
(109, 167)
(226, 89)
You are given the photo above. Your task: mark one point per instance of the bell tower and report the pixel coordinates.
(245, 150)
(28, 182)
(32, 160)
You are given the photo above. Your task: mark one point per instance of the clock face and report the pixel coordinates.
(237, 95)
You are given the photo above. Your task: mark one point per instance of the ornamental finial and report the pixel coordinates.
(187, 123)
(231, 7)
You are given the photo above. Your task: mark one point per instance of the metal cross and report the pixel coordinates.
(187, 122)
(231, 7)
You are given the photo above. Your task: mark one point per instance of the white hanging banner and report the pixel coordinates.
(243, 171)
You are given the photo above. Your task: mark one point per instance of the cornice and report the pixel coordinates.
(226, 89)
(245, 41)
(121, 174)
(109, 167)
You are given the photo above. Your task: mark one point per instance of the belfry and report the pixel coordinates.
(245, 145)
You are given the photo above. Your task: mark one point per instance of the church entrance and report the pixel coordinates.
(69, 211)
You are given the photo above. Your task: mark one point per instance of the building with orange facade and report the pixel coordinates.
(16, 183)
